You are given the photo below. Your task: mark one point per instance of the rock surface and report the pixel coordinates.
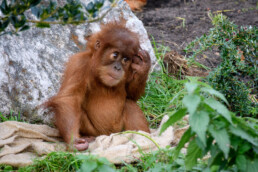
(32, 63)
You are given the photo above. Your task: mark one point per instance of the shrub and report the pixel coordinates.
(229, 141)
(237, 75)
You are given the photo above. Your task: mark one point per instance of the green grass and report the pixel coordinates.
(163, 93)
(161, 160)
(10, 117)
(65, 161)
(55, 161)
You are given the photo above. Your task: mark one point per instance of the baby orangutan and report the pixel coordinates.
(100, 88)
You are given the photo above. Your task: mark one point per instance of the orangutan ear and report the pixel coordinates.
(97, 45)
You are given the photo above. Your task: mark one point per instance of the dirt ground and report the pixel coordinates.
(175, 23)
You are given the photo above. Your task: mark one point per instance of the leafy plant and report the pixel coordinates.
(92, 163)
(237, 75)
(229, 141)
(161, 160)
(14, 13)
(64, 161)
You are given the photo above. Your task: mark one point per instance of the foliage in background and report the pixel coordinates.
(14, 13)
(230, 141)
(163, 94)
(237, 75)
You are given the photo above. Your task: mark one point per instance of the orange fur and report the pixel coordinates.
(100, 87)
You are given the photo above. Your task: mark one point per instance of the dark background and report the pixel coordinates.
(161, 20)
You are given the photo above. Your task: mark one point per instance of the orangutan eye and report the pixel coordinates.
(114, 55)
(125, 59)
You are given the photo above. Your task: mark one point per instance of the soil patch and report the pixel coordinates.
(175, 23)
(177, 65)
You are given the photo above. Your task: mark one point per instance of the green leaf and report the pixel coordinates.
(22, 20)
(243, 134)
(191, 102)
(250, 127)
(243, 148)
(26, 27)
(222, 138)
(191, 87)
(252, 165)
(241, 162)
(4, 25)
(255, 148)
(200, 143)
(184, 139)
(199, 122)
(14, 20)
(89, 166)
(99, 3)
(90, 8)
(4, 8)
(215, 93)
(216, 155)
(173, 118)
(220, 108)
(105, 168)
(95, 14)
(8, 168)
(193, 153)
(4, 4)
(43, 25)
(235, 142)
(44, 14)
(103, 160)
(18, 21)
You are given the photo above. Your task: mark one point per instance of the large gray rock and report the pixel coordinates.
(32, 63)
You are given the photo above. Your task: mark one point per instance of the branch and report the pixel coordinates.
(75, 22)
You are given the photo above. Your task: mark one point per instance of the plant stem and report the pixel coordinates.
(148, 137)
